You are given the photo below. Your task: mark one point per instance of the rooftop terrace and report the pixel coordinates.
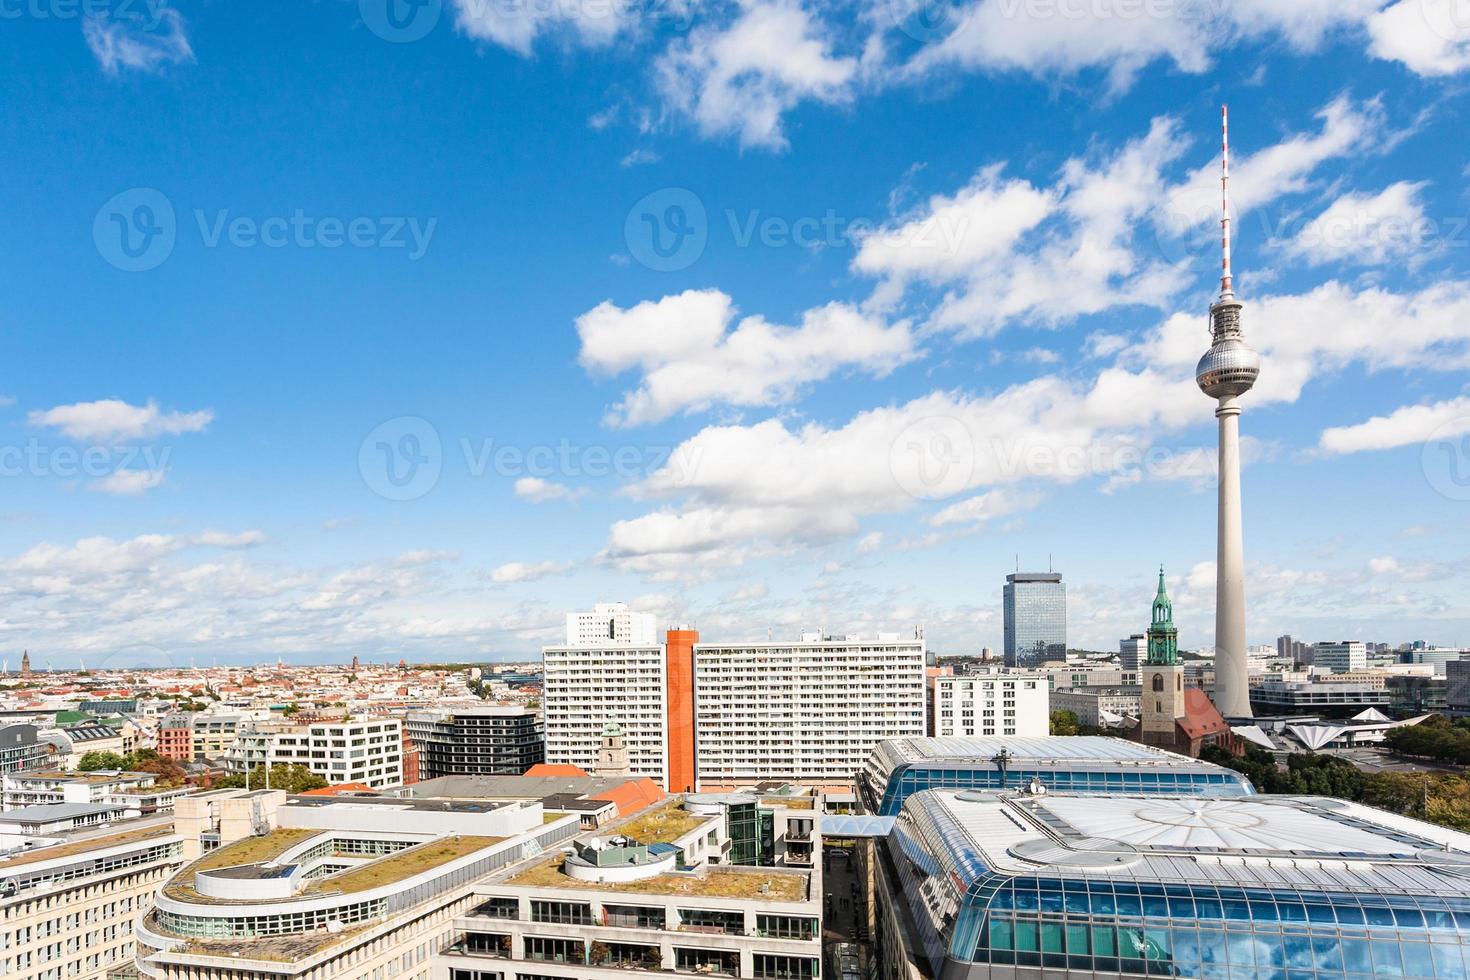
(711, 882)
(86, 845)
(663, 825)
(401, 864)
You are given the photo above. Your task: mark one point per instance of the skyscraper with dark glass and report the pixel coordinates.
(1035, 618)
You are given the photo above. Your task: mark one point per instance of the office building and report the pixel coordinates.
(368, 750)
(1132, 651)
(975, 886)
(695, 887)
(68, 902)
(214, 735)
(1078, 764)
(611, 624)
(21, 748)
(1436, 657)
(810, 711)
(331, 886)
(1099, 707)
(993, 703)
(476, 740)
(1336, 658)
(1329, 698)
(1035, 618)
(585, 688)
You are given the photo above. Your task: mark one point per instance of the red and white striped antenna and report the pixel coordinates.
(1226, 284)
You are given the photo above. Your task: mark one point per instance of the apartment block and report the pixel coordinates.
(611, 624)
(585, 688)
(997, 703)
(810, 711)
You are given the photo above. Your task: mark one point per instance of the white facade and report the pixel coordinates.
(1132, 651)
(366, 751)
(806, 711)
(991, 704)
(586, 687)
(611, 624)
(1339, 657)
(68, 908)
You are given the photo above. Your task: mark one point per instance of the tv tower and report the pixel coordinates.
(1227, 371)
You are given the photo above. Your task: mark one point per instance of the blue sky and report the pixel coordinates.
(338, 328)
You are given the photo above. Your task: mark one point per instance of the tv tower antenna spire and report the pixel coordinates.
(1227, 284)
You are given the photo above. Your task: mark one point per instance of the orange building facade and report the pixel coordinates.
(679, 701)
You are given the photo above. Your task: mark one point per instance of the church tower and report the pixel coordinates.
(25, 663)
(612, 756)
(1162, 676)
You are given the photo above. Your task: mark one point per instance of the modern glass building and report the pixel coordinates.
(1035, 618)
(1080, 764)
(983, 885)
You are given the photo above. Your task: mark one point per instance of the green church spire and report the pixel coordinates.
(1163, 638)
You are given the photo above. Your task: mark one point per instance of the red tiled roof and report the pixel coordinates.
(632, 796)
(553, 769)
(339, 788)
(1200, 716)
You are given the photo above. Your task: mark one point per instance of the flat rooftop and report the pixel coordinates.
(720, 881)
(52, 812)
(86, 845)
(660, 825)
(1037, 750)
(404, 804)
(1255, 841)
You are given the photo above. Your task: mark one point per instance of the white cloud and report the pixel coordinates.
(741, 78)
(129, 483)
(690, 360)
(1430, 37)
(517, 26)
(519, 571)
(1375, 328)
(870, 542)
(537, 490)
(1403, 427)
(123, 40)
(1041, 255)
(6, 401)
(1046, 37)
(1366, 229)
(114, 419)
(984, 507)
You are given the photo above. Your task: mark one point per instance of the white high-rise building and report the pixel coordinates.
(611, 624)
(367, 750)
(585, 688)
(1132, 651)
(810, 711)
(993, 703)
(1338, 658)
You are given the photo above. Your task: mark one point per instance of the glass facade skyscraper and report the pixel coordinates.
(1035, 618)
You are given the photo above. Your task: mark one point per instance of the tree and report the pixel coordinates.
(93, 761)
(292, 779)
(1064, 722)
